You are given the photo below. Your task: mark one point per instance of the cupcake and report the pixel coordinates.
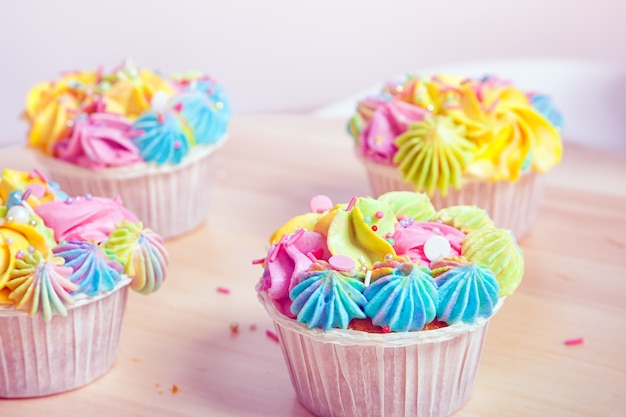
(381, 306)
(132, 133)
(66, 265)
(477, 142)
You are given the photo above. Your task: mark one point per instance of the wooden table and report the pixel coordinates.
(574, 286)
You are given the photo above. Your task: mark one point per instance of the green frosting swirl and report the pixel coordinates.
(412, 205)
(433, 154)
(496, 250)
(465, 218)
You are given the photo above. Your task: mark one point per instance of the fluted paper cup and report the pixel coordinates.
(39, 358)
(169, 199)
(511, 205)
(347, 373)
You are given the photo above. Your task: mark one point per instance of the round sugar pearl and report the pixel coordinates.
(18, 214)
(320, 203)
(159, 101)
(437, 247)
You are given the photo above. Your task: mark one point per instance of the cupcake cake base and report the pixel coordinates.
(346, 373)
(41, 358)
(511, 205)
(170, 199)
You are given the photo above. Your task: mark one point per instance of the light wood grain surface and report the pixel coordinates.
(574, 286)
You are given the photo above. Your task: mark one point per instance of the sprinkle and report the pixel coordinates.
(368, 277)
(9, 240)
(88, 196)
(374, 228)
(40, 175)
(177, 144)
(297, 235)
(258, 261)
(234, 328)
(572, 342)
(223, 290)
(33, 222)
(252, 327)
(175, 389)
(161, 118)
(178, 107)
(362, 260)
(69, 200)
(274, 253)
(386, 329)
(493, 105)
(31, 249)
(341, 262)
(19, 254)
(351, 204)
(26, 194)
(380, 215)
(271, 335)
(311, 256)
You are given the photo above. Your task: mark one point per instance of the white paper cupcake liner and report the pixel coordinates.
(169, 199)
(511, 205)
(39, 358)
(346, 373)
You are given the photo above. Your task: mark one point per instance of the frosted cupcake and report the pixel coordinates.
(382, 305)
(132, 133)
(66, 265)
(463, 141)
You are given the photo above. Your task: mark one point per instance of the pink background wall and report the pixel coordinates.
(293, 56)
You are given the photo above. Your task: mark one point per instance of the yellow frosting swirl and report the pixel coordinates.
(433, 154)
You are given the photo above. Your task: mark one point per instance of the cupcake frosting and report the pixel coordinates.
(394, 261)
(55, 250)
(130, 115)
(440, 131)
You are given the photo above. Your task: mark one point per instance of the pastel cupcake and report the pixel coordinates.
(477, 142)
(132, 133)
(66, 265)
(381, 306)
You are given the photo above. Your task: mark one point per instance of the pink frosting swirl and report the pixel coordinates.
(285, 262)
(390, 120)
(99, 140)
(409, 239)
(84, 218)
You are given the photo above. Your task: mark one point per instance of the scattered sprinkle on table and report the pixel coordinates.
(572, 342)
(272, 335)
(175, 389)
(223, 290)
(234, 328)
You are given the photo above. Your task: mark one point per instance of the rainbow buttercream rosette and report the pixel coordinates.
(347, 283)
(133, 133)
(66, 264)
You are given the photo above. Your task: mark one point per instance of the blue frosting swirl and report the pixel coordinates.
(208, 119)
(466, 293)
(161, 137)
(544, 105)
(327, 299)
(92, 271)
(406, 299)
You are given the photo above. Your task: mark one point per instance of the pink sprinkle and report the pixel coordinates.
(161, 118)
(135, 133)
(341, 262)
(40, 175)
(295, 237)
(223, 290)
(274, 253)
(493, 105)
(271, 335)
(258, 261)
(178, 107)
(351, 204)
(320, 203)
(379, 214)
(311, 256)
(177, 144)
(572, 342)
